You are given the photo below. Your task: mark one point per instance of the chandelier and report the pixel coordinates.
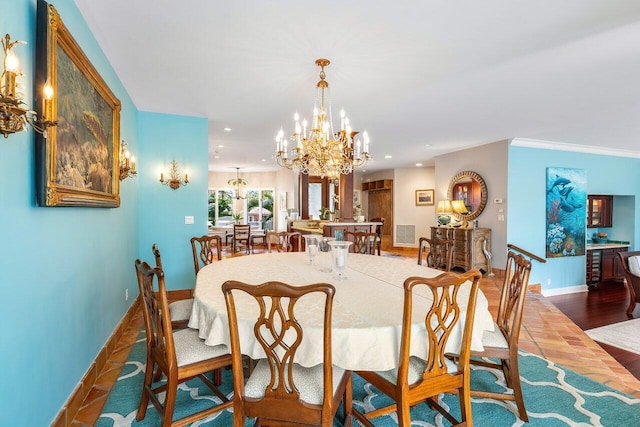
(237, 182)
(319, 150)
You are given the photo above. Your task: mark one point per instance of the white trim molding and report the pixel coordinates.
(564, 146)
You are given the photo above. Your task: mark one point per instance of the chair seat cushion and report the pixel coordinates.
(190, 348)
(634, 265)
(416, 370)
(309, 381)
(494, 338)
(181, 309)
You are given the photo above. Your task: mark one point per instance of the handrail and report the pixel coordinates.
(527, 253)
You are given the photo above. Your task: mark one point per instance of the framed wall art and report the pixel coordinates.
(424, 197)
(77, 160)
(566, 201)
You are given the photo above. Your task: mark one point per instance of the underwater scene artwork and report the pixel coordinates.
(566, 212)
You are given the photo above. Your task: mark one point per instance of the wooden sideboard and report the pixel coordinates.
(467, 246)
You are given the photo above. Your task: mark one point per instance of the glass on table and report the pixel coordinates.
(324, 254)
(311, 244)
(339, 255)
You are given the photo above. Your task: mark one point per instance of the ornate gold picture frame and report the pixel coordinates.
(77, 160)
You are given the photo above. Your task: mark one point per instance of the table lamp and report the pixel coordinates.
(444, 211)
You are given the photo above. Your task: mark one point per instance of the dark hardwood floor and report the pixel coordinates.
(601, 306)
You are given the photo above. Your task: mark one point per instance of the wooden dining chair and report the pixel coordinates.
(439, 253)
(205, 249)
(179, 355)
(501, 345)
(416, 380)
(279, 392)
(241, 237)
(363, 242)
(180, 309)
(378, 243)
(284, 241)
(632, 279)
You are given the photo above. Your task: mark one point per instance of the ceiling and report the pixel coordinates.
(423, 77)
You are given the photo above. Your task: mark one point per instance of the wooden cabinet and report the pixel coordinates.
(599, 211)
(382, 184)
(468, 246)
(604, 265)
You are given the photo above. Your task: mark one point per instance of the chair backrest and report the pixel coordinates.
(205, 249)
(284, 241)
(158, 327)
(378, 227)
(633, 280)
(440, 321)
(363, 242)
(440, 255)
(241, 231)
(280, 334)
(512, 296)
(156, 254)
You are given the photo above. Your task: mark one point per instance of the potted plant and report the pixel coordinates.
(237, 217)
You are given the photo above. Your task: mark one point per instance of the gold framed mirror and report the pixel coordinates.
(469, 187)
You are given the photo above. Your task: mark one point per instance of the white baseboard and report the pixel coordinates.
(564, 291)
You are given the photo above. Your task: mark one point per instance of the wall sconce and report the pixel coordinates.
(14, 117)
(127, 163)
(175, 177)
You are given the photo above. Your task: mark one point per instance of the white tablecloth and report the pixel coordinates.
(367, 309)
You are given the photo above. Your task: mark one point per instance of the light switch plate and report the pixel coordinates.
(188, 219)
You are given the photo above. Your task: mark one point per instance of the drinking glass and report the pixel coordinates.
(311, 244)
(339, 255)
(324, 254)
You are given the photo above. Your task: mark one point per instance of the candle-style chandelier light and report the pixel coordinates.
(318, 150)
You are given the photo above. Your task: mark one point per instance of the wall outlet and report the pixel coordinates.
(126, 294)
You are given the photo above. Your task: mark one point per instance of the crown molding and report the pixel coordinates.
(563, 146)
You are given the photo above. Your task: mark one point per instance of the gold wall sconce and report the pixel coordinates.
(14, 116)
(175, 177)
(127, 163)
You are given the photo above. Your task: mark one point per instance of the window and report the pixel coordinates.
(256, 209)
(220, 207)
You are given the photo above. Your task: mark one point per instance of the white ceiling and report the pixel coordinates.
(424, 77)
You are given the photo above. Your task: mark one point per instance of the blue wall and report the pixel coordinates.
(162, 210)
(64, 271)
(527, 216)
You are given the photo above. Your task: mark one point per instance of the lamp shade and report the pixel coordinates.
(444, 207)
(459, 206)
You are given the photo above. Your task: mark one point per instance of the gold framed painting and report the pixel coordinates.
(424, 197)
(76, 160)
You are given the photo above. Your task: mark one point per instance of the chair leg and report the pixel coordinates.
(169, 403)
(404, 417)
(514, 379)
(146, 387)
(632, 306)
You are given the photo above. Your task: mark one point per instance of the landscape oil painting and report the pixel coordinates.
(566, 211)
(77, 161)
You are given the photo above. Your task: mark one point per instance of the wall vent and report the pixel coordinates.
(406, 234)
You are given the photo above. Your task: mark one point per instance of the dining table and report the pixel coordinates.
(367, 307)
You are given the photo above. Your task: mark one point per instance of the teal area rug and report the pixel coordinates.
(554, 396)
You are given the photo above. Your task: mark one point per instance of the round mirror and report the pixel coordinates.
(468, 194)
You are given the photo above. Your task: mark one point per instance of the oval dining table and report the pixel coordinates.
(367, 307)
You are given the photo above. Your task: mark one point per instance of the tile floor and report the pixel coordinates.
(546, 332)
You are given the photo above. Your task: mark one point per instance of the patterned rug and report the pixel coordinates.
(554, 396)
(622, 335)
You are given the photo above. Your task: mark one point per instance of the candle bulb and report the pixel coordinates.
(48, 97)
(186, 177)
(161, 177)
(133, 164)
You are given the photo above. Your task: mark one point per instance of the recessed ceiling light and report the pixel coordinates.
(427, 145)
(216, 157)
(263, 160)
(227, 129)
(220, 146)
(388, 156)
(418, 164)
